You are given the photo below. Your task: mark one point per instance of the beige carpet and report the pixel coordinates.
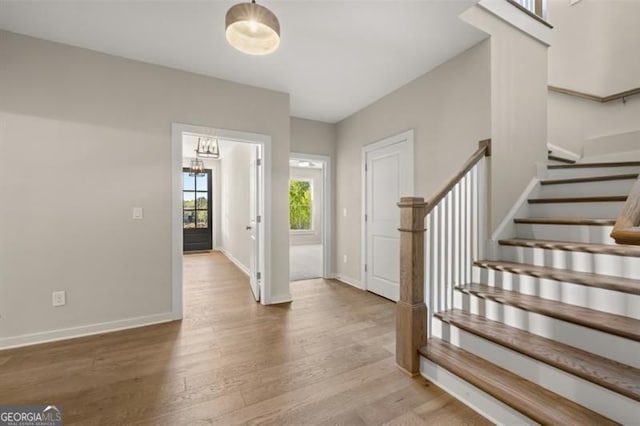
(305, 262)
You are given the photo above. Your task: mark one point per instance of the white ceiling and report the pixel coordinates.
(336, 57)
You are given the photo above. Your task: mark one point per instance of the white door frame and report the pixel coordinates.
(177, 129)
(327, 251)
(255, 224)
(407, 136)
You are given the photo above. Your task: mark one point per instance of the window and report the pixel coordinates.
(195, 201)
(300, 207)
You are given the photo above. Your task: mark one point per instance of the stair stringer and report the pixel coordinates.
(507, 228)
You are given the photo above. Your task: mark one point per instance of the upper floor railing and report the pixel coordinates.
(536, 8)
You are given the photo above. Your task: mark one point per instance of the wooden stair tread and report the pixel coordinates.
(615, 376)
(610, 282)
(629, 176)
(535, 402)
(560, 159)
(565, 221)
(609, 323)
(595, 165)
(599, 199)
(615, 249)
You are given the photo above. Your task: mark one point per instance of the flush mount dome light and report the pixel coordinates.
(252, 29)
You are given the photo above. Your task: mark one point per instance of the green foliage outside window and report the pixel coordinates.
(300, 204)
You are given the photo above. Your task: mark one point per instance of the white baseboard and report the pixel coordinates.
(564, 153)
(82, 331)
(280, 298)
(348, 280)
(236, 262)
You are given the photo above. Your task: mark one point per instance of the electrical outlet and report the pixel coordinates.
(59, 298)
(344, 212)
(138, 213)
(344, 258)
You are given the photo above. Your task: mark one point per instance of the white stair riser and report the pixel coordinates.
(577, 233)
(604, 344)
(590, 171)
(555, 163)
(614, 157)
(587, 189)
(613, 302)
(597, 263)
(605, 210)
(495, 411)
(588, 394)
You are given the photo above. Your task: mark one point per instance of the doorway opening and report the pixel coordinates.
(309, 217)
(219, 203)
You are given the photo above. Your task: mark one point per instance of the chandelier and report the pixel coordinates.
(207, 148)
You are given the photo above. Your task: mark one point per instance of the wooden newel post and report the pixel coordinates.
(411, 312)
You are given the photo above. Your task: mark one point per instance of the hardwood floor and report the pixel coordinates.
(326, 358)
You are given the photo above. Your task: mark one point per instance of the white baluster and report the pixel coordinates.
(442, 252)
(435, 264)
(474, 213)
(482, 208)
(465, 229)
(449, 248)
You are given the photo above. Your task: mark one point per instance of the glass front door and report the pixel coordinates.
(196, 211)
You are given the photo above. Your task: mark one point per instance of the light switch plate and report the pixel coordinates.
(59, 298)
(138, 213)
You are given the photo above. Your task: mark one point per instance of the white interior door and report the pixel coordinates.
(254, 224)
(389, 176)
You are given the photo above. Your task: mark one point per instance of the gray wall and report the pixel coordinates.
(572, 120)
(95, 131)
(518, 110)
(595, 45)
(313, 137)
(602, 60)
(449, 108)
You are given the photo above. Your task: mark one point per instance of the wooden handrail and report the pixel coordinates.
(411, 311)
(596, 98)
(484, 150)
(627, 227)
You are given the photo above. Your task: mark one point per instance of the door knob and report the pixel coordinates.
(248, 227)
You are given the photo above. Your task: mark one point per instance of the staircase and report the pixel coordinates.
(555, 158)
(549, 329)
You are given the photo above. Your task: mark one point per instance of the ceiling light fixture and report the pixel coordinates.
(207, 148)
(197, 167)
(252, 29)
